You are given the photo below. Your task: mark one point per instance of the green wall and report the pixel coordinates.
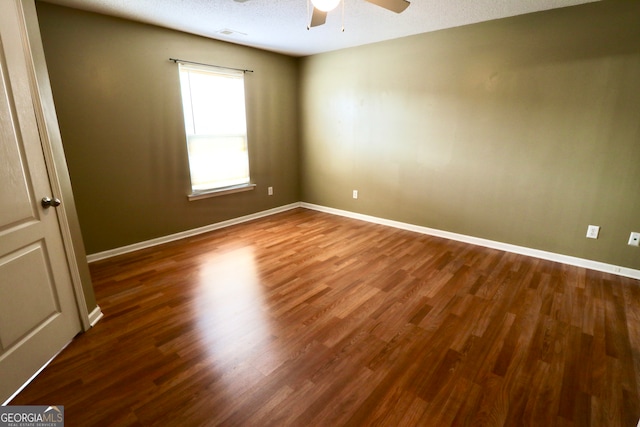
(522, 130)
(118, 101)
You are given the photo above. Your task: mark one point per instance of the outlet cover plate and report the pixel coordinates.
(634, 239)
(593, 231)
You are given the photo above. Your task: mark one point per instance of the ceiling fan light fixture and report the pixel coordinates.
(325, 5)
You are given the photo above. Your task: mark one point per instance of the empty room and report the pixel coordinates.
(252, 213)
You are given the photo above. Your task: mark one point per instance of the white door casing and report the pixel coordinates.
(39, 314)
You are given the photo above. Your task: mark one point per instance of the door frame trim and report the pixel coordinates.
(47, 122)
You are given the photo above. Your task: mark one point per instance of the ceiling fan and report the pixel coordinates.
(322, 7)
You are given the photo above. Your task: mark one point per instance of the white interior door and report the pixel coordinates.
(38, 311)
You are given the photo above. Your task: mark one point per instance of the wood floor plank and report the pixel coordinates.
(308, 319)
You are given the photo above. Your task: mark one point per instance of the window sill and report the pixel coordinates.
(220, 191)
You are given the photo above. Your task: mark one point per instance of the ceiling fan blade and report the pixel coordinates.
(318, 18)
(396, 6)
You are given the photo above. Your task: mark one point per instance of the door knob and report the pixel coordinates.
(48, 202)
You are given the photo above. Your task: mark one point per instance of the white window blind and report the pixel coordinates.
(215, 121)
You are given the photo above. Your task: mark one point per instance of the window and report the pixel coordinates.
(216, 127)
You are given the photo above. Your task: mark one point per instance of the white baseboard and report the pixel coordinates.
(188, 233)
(507, 247)
(95, 316)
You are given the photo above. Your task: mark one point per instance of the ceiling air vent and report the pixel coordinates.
(228, 32)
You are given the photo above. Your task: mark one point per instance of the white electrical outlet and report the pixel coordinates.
(634, 239)
(355, 194)
(592, 231)
(270, 191)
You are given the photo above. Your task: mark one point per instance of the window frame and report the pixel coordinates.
(214, 191)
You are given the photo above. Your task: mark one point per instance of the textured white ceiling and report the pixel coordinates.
(281, 25)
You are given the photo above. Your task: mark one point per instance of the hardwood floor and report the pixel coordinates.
(309, 319)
